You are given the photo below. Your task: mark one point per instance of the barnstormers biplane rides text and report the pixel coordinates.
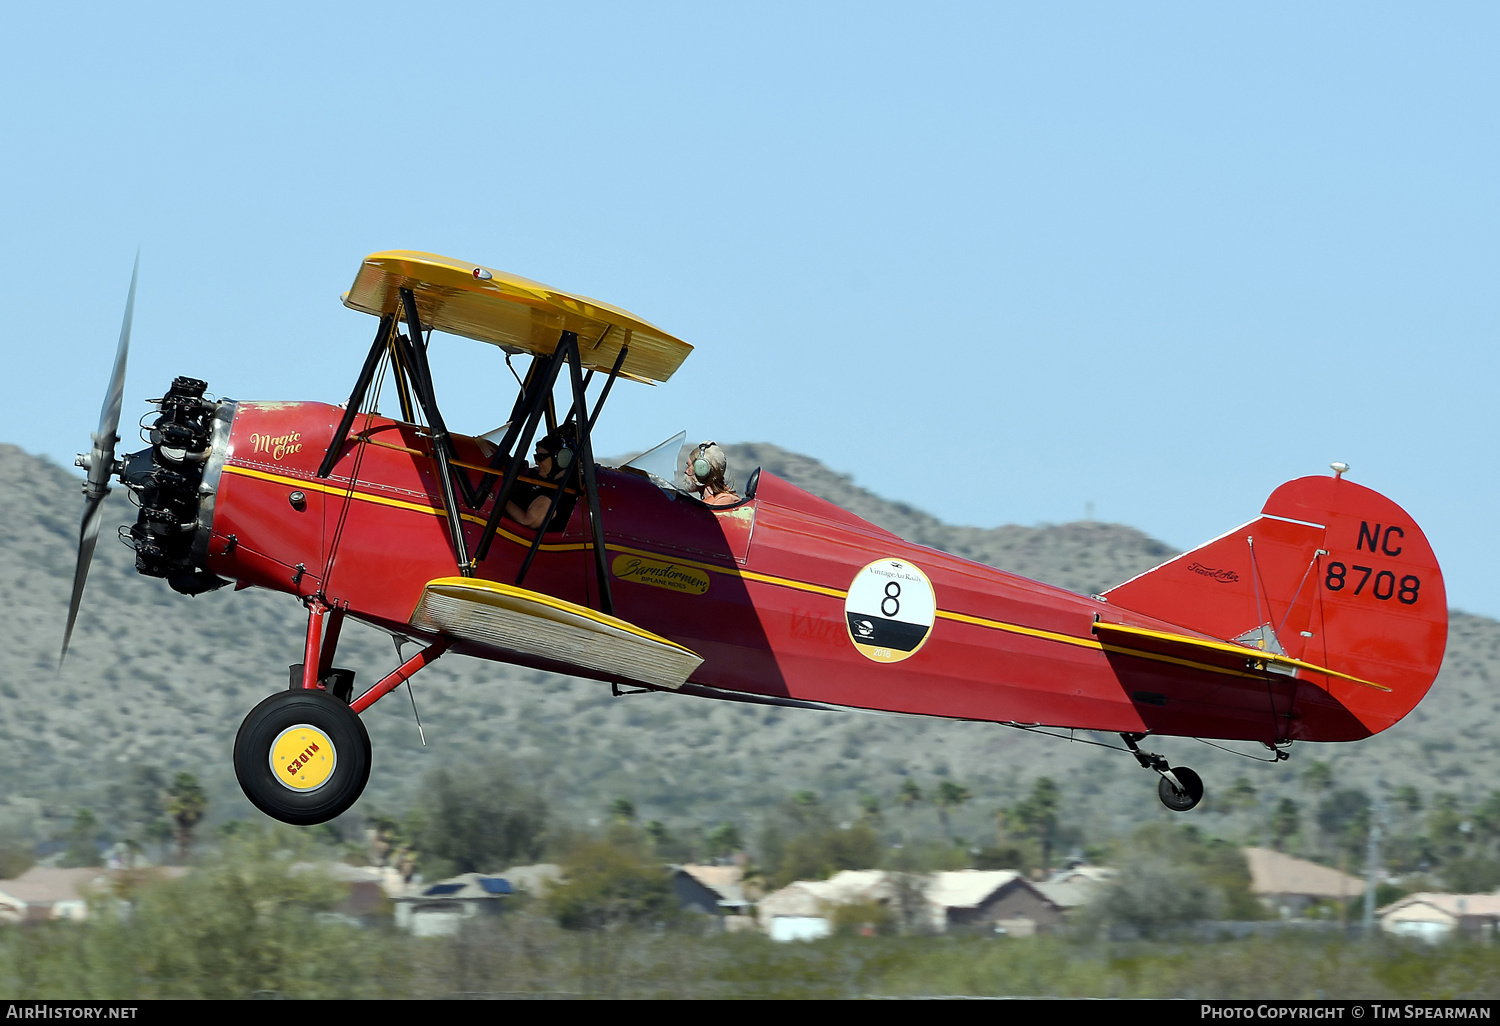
(1322, 619)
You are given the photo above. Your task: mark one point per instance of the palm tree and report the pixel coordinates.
(185, 804)
(1284, 823)
(909, 795)
(1037, 816)
(949, 795)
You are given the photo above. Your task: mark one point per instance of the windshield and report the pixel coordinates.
(663, 462)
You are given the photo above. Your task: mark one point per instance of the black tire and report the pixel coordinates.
(1181, 801)
(337, 778)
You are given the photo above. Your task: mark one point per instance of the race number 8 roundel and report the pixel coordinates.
(889, 610)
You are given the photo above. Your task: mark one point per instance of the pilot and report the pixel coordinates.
(555, 456)
(705, 471)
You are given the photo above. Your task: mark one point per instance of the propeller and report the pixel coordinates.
(100, 464)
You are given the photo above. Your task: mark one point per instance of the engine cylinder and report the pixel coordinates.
(176, 487)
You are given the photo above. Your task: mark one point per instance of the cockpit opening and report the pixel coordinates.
(696, 470)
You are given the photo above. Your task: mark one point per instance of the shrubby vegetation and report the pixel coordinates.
(1171, 878)
(612, 882)
(477, 820)
(246, 922)
(245, 928)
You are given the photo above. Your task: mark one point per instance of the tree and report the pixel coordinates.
(819, 853)
(481, 821)
(1285, 822)
(1241, 794)
(909, 795)
(247, 922)
(949, 795)
(1000, 856)
(1344, 818)
(908, 903)
(16, 857)
(1172, 876)
(657, 834)
(1036, 816)
(135, 807)
(1409, 799)
(1474, 875)
(1448, 827)
(806, 807)
(723, 840)
(83, 841)
(186, 804)
(1318, 777)
(623, 809)
(608, 885)
(1487, 817)
(1155, 895)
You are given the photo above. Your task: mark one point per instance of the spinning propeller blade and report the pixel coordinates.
(100, 464)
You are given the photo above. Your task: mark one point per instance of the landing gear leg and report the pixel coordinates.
(1179, 789)
(302, 756)
(316, 669)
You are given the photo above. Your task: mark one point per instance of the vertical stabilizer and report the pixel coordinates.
(1331, 573)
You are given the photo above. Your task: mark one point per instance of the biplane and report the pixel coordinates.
(1321, 619)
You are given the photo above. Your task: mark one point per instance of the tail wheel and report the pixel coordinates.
(302, 756)
(1181, 800)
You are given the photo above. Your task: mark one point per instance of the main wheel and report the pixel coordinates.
(302, 756)
(1180, 801)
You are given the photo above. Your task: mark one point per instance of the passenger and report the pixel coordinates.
(705, 472)
(528, 502)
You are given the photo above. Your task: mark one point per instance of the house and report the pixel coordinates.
(46, 892)
(1289, 885)
(439, 909)
(367, 888)
(999, 901)
(1075, 886)
(714, 890)
(800, 910)
(534, 879)
(1433, 917)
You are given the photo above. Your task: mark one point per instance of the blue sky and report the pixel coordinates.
(999, 261)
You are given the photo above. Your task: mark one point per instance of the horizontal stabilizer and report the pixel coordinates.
(507, 617)
(1150, 644)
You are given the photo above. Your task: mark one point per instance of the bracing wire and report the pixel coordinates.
(1243, 755)
(1071, 737)
(371, 404)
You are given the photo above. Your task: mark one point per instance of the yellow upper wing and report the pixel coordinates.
(508, 310)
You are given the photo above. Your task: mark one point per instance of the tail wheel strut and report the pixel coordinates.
(1179, 789)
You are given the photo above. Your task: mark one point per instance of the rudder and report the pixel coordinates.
(1331, 573)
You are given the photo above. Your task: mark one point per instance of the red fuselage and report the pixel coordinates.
(759, 590)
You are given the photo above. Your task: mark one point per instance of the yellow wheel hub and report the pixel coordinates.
(303, 758)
